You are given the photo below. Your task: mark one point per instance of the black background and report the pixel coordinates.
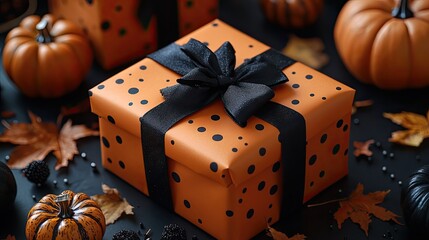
(315, 223)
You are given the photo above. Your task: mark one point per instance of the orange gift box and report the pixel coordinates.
(122, 31)
(226, 179)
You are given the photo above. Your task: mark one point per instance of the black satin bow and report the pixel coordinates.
(243, 90)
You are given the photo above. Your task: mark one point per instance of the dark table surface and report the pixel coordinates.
(315, 223)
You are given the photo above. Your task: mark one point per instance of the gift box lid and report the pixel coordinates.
(209, 142)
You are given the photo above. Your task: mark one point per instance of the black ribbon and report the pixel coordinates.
(167, 17)
(245, 91)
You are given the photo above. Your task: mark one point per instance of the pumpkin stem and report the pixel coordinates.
(65, 210)
(43, 35)
(403, 10)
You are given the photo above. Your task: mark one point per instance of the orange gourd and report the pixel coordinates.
(46, 57)
(292, 13)
(385, 42)
(66, 216)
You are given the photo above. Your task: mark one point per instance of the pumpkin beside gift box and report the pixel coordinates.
(226, 179)
(121, 31)
(46, 57)
(384, 42)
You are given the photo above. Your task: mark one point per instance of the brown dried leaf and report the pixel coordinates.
(362, 148)
(23, 155)
(67, 143)
(360, 207)
(276, 235)
(360, 104)
(24, 133)
(81, 107)
(417, 128)
(112, 204)
(7, 114)
(307, 50)
(10, 237)
(37, 139)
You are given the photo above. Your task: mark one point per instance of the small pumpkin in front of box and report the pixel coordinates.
(385, 43)
(46, 57)
(292, 14)
(66, 216)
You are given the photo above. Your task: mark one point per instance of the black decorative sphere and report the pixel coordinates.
(126, 235)
(415, 203)
(173, 232)
(7, 186)
(37, 172)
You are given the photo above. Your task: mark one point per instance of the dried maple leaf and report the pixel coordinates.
(417, 128)
(360, 104)
(37, 139)
(359, 208)
(112, 204)
(80, 112)
(7, 114)
(362, 148)
(10, 237)
(276, 235)
(306, 50)
(81, 107)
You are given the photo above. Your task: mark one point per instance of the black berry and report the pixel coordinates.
(126, 235)
(173, 232)
(37, 172)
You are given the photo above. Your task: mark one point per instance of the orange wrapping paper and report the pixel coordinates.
(228, 188)
(116, 33)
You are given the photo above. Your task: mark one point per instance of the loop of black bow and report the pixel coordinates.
(243, 90)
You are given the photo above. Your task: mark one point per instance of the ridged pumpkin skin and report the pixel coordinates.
(46, 219)
(292, 13)
(415, 203)
(47, 69)
(383, 50)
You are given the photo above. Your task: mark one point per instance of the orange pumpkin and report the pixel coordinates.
(292, 13)
(66, 216)
(385, 42)
(46, 57)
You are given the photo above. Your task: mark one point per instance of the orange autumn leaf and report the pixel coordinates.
(362, 148)
(360, 207)
(10, 237)
(7, 114)
(276, 235)
(37, 139)
(360, 104)
(81, 107)
(307, 50)
(111, 204)
(417, 128)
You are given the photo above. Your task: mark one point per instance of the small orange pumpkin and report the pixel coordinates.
(385, 42)
(292, 13)
(66, 216)
(46, 57)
